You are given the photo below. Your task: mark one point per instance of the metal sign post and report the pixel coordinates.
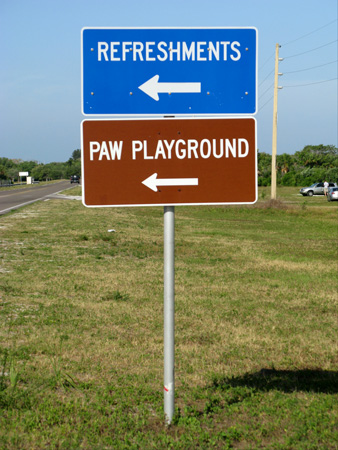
(169, 313)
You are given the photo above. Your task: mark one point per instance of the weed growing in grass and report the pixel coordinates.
(60, 378)
(13, 375)
(4, 364)
(9, 379)
(274, 204)
(116, 296)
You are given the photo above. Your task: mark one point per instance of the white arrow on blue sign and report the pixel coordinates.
(169, 71)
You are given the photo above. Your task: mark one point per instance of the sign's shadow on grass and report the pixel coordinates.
(306, 380)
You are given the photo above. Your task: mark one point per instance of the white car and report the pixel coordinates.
(315, 189)
(332, 194)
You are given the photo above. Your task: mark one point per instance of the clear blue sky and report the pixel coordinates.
(40, 70)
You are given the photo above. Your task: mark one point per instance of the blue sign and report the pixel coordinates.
(169, 71)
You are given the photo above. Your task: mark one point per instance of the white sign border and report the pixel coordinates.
(168, 204)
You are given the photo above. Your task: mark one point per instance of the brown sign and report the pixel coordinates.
(145, 162)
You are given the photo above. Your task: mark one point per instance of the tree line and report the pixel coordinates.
(312, 164)
(10, 168)
(315, 163)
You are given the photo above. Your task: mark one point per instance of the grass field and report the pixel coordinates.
(81, 326)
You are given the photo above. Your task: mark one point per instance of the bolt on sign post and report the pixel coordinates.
(204, 157)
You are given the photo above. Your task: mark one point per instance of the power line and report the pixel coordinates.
(270, 57)
(295, 40)
(309, 84)
(268, 89)
(266, 77)
(261, 107)
(312, 50)
(314, 67)
(311, 32)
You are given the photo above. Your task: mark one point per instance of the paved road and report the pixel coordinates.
(13, 199)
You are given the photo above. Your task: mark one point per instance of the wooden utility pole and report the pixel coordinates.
(274, 128)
